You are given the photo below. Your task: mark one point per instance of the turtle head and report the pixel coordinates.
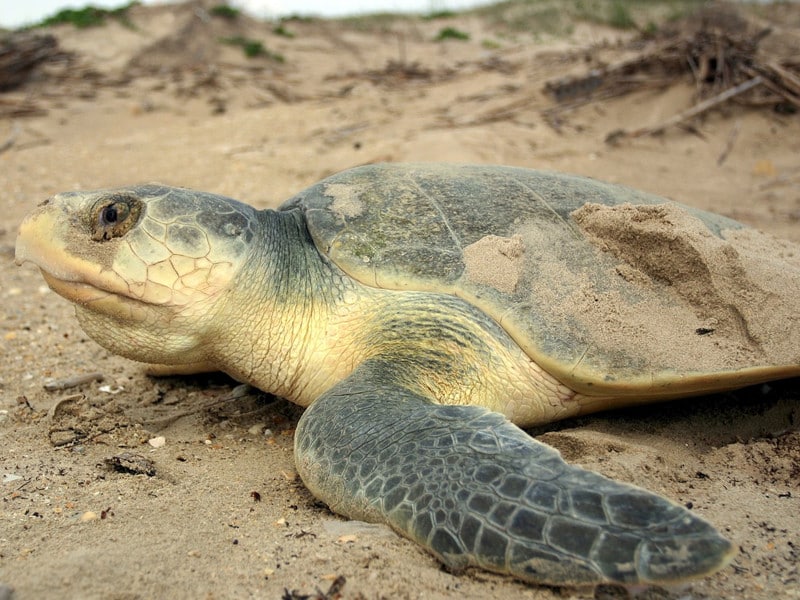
(145, 266)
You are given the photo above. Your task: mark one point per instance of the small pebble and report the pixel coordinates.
(157, 442)
(108, 389)
(135, 464)
(62, 438)
(89, 516)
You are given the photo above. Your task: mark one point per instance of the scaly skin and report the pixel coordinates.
(171, 291)
(477, 491)
(165, 275)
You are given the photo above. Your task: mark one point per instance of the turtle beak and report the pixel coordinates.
(32, 237)
(38, 242)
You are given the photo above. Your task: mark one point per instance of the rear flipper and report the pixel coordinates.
(476, 490)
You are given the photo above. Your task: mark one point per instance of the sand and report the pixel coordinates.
(225, 515)
(738, 290)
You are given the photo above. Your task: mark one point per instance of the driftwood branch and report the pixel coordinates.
(729, 143)
(784, 89)
(698, 109)
(717, 49)
(788, 79)
(20, 54)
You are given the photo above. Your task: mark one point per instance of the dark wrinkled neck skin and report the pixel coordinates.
(275, 310)
(296, 271)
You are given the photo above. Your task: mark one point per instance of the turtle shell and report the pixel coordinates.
(611, 290)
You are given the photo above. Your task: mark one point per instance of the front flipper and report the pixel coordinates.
(476, 490)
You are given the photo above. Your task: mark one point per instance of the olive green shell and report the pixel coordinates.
(611, 290)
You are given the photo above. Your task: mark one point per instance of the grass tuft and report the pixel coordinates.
(88, 16)
(280, 30)
(439, 14)
(252, 48)
(451, 33)
(225, 11)
(620, 16)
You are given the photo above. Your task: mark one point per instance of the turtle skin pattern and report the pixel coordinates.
(477, 491)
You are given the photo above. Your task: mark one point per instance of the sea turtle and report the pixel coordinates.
(417, 311)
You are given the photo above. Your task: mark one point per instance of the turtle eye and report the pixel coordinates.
(114, 217)
(113, 213)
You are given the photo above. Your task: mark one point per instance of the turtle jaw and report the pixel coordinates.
(86, 296)
(41, 241)
(106, 305)
(146, 267)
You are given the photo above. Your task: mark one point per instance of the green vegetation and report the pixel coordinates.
(225, 11)
(298, 18)
(252, 48)
(558, 17)
(88, 16)
(614, 13)
(541, 17)
(507, 17)
(439, 14)
(377, 22)
(279, 29)
(451, 33)
(620, 17)
(651, 29)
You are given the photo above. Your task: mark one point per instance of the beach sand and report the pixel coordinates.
(225, 515)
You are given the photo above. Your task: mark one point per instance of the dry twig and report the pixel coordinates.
(698, 109)
(729, 143)
(722, 57)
